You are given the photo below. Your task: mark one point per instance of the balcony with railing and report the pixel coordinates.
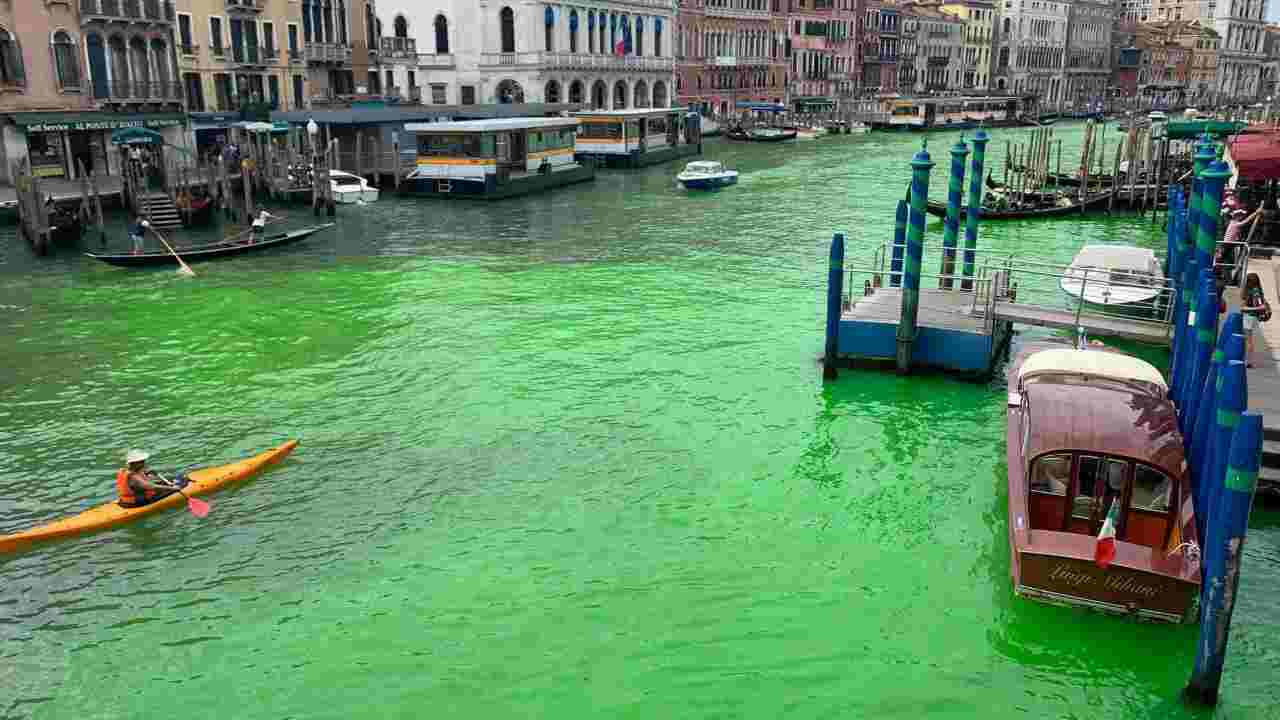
(575, 61)
(436, 61)
(137, 92)
(145, 12)
(396, 48)
(737, 13)
(328, 53)
(245, 6)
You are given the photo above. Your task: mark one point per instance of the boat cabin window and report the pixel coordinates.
(1131, 277)
(601, 131)
(457, 145)
(1100, 481)
(1152, 490)
(1051, 473)
(345, 180)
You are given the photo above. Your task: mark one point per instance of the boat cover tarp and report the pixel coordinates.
(1255, 157)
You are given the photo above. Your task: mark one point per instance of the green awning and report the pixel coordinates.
(136, 136)
(64, 121)
(1184, 129)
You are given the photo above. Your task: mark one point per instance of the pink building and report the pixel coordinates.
(730, 52)
(824, 52)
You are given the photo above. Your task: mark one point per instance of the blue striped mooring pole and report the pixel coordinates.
(951, 225)
(1223, 551)
(975, 207)
(921, 164)
(1200, 352)
(1231, 402)
(899, 243)
(835, 304)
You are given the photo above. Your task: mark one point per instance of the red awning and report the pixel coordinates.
(1256, 156)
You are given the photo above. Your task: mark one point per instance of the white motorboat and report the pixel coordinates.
(1116, 279)
(858, 127)
(1156, 116)
(349, 189)
(706, 175)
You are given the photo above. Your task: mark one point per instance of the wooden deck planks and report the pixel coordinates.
(944, 309)
(1042, 316)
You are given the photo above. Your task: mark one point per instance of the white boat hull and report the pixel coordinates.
(355, 195)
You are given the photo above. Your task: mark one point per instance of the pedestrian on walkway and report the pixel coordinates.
(1256, 309)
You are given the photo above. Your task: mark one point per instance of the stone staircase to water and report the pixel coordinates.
(160, 211)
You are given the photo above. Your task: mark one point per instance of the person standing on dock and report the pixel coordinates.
(1255, 308)
(137, 233)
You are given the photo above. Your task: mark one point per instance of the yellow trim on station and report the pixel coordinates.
(549, 153)
(431, 160)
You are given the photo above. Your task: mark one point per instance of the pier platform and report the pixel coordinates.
(1094, 324)
(949, 335)
(1264, 375)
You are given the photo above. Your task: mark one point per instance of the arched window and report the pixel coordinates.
(141, 68)
(620, 95)
(98, 66)
(160, 59)
(553, 92)
(65, 60)
(575, 92)
(400, 27)
(573, 31)
(591, 31)
(342, 22)
(370, 27)
(657, 37)
(442, 35)
(11, 70)
(507, 24)
(639, 36)
(119, 67)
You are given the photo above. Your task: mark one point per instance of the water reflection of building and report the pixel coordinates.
(607, 55)
(71, 74)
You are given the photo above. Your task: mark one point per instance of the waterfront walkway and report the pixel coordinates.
(108, 186)
(1264, 376)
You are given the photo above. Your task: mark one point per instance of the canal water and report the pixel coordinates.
(562, 456)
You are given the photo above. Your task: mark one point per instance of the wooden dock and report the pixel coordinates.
(943, 309)
(1041, 316)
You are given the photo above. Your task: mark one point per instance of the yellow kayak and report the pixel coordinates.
(203, 482)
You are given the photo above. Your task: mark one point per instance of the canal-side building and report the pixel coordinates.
(729, 52)
(823, 38)
(1088, 61)
(938, 49)
(869, 44)
(1037, 41)
(73, 73)
(610, 55)
(1162, 70)
(240, 54)
(890, 33)
(980, 44)
(1240, 25)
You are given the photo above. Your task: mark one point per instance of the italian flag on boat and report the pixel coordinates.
(1105, 551)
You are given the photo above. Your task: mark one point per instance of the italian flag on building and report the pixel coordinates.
(1105, 551)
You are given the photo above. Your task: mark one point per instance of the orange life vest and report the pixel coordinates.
(127, 496)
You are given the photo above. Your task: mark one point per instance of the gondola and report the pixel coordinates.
(65, 226)
(940, 209)
(208, 252)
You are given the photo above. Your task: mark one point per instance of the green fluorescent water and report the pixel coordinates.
(562, 456)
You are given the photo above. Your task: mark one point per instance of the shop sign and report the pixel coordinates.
(114, 124)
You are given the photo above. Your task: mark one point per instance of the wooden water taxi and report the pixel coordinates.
(492, 159)
(1088, 428)
(637, 137)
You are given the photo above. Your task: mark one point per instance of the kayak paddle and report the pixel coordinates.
(198, 507)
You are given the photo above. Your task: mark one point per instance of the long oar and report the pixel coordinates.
(198, 507)
(183, 269)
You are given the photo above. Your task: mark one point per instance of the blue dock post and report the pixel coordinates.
(835, 304)
(899, 243)
(951, 226)
(1201, 436)
(1214, 179)
(1173, 272)
(1201, 350)
(1190, 281)
(921, 164)
(975, 207)
(1231, 403)
(1223, 550)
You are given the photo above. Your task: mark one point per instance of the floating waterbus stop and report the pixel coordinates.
(637, 137)
(491, 159)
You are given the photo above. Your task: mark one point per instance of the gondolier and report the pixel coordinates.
(260, 224)
(137, 233)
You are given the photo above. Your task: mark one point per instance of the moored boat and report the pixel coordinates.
(202, 482)
(1044, 205)
(770, 134)
(708, 126)
(706, 175)
(350, 189)
(1090, 430)
(207, 252)
(1115, 279)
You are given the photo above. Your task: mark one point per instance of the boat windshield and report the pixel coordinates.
(346, 180)
(703, 167)
(1073, 491)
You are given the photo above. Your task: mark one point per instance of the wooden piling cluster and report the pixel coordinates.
(33, 215)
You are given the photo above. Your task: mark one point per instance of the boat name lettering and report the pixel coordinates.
(1063, 572)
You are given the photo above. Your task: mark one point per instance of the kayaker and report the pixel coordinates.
(137, 485)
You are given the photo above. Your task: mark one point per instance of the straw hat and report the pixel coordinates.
(136, 456)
